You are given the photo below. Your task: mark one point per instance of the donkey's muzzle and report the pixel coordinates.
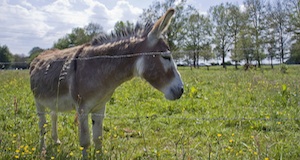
(175, 93)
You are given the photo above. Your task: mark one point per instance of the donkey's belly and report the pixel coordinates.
(60, 104)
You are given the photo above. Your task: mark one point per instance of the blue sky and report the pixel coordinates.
(25, 24)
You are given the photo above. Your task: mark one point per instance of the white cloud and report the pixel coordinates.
(26, 24)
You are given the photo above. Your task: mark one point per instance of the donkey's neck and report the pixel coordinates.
(100, 76)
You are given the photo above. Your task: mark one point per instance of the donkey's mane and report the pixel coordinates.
(139, 31)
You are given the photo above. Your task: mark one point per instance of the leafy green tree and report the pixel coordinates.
(295, 53)
(256, 11)
(62, 43)
(121, 26)
(236, 22)
(78, 36)
(198, 30)
(5, 57)
(278, 23)
(271, 48)
(244, 48)
(175, 31)
(92, 30)
(34, 52)
(222, 36)
(293, 11)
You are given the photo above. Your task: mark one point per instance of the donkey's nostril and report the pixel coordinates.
(182, 90)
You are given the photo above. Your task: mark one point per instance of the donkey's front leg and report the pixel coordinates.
(97, 121)
(84, 134)
(54, 127)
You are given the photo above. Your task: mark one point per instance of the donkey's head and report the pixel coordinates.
(159, 69)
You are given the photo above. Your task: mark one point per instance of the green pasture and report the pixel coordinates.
(223, 114)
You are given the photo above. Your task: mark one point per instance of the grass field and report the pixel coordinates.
(232, 114)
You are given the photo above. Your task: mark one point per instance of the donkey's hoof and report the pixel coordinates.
(58, 142)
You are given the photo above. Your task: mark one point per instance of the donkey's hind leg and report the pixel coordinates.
(42, 124)
(84, 134)
(54, 127)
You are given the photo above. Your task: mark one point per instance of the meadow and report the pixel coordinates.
(232, 114)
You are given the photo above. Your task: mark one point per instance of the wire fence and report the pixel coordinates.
(207, 122)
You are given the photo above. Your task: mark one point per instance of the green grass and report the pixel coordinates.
(232, 114)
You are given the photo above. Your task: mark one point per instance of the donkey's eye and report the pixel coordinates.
(166, 58)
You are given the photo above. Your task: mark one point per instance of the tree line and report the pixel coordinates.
(250, 32)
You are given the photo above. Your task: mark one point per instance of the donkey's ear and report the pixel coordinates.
(161, 25)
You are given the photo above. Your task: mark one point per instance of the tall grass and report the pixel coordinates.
(232, 114)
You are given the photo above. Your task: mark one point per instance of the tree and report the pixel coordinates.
(236, 22)
(256, 12)
(92, 30)
(121, 26)
(278, 23)
(174, 33)
(5, 57)
(295, 53)
(197, 31)
(293, 12)
(244, 47)
(222, 36)
(78, 36)
(34, 52)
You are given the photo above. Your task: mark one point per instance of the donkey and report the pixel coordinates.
(84, 77)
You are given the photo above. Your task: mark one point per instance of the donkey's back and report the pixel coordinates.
(49, 72)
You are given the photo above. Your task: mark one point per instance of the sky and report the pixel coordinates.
(25, 24)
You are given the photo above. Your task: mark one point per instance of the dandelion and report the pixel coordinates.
(219, 134)
(71, 154)
(230, 140)
(81, 148)
(52, 157)
(278, 122)
(267, 117)
(266, 158)
(17, 157)
(255, 153)
(17, 151)
(14, 135)
(33, 149)
(232, 134)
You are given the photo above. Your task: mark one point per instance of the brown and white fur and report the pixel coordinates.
(84, 77)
